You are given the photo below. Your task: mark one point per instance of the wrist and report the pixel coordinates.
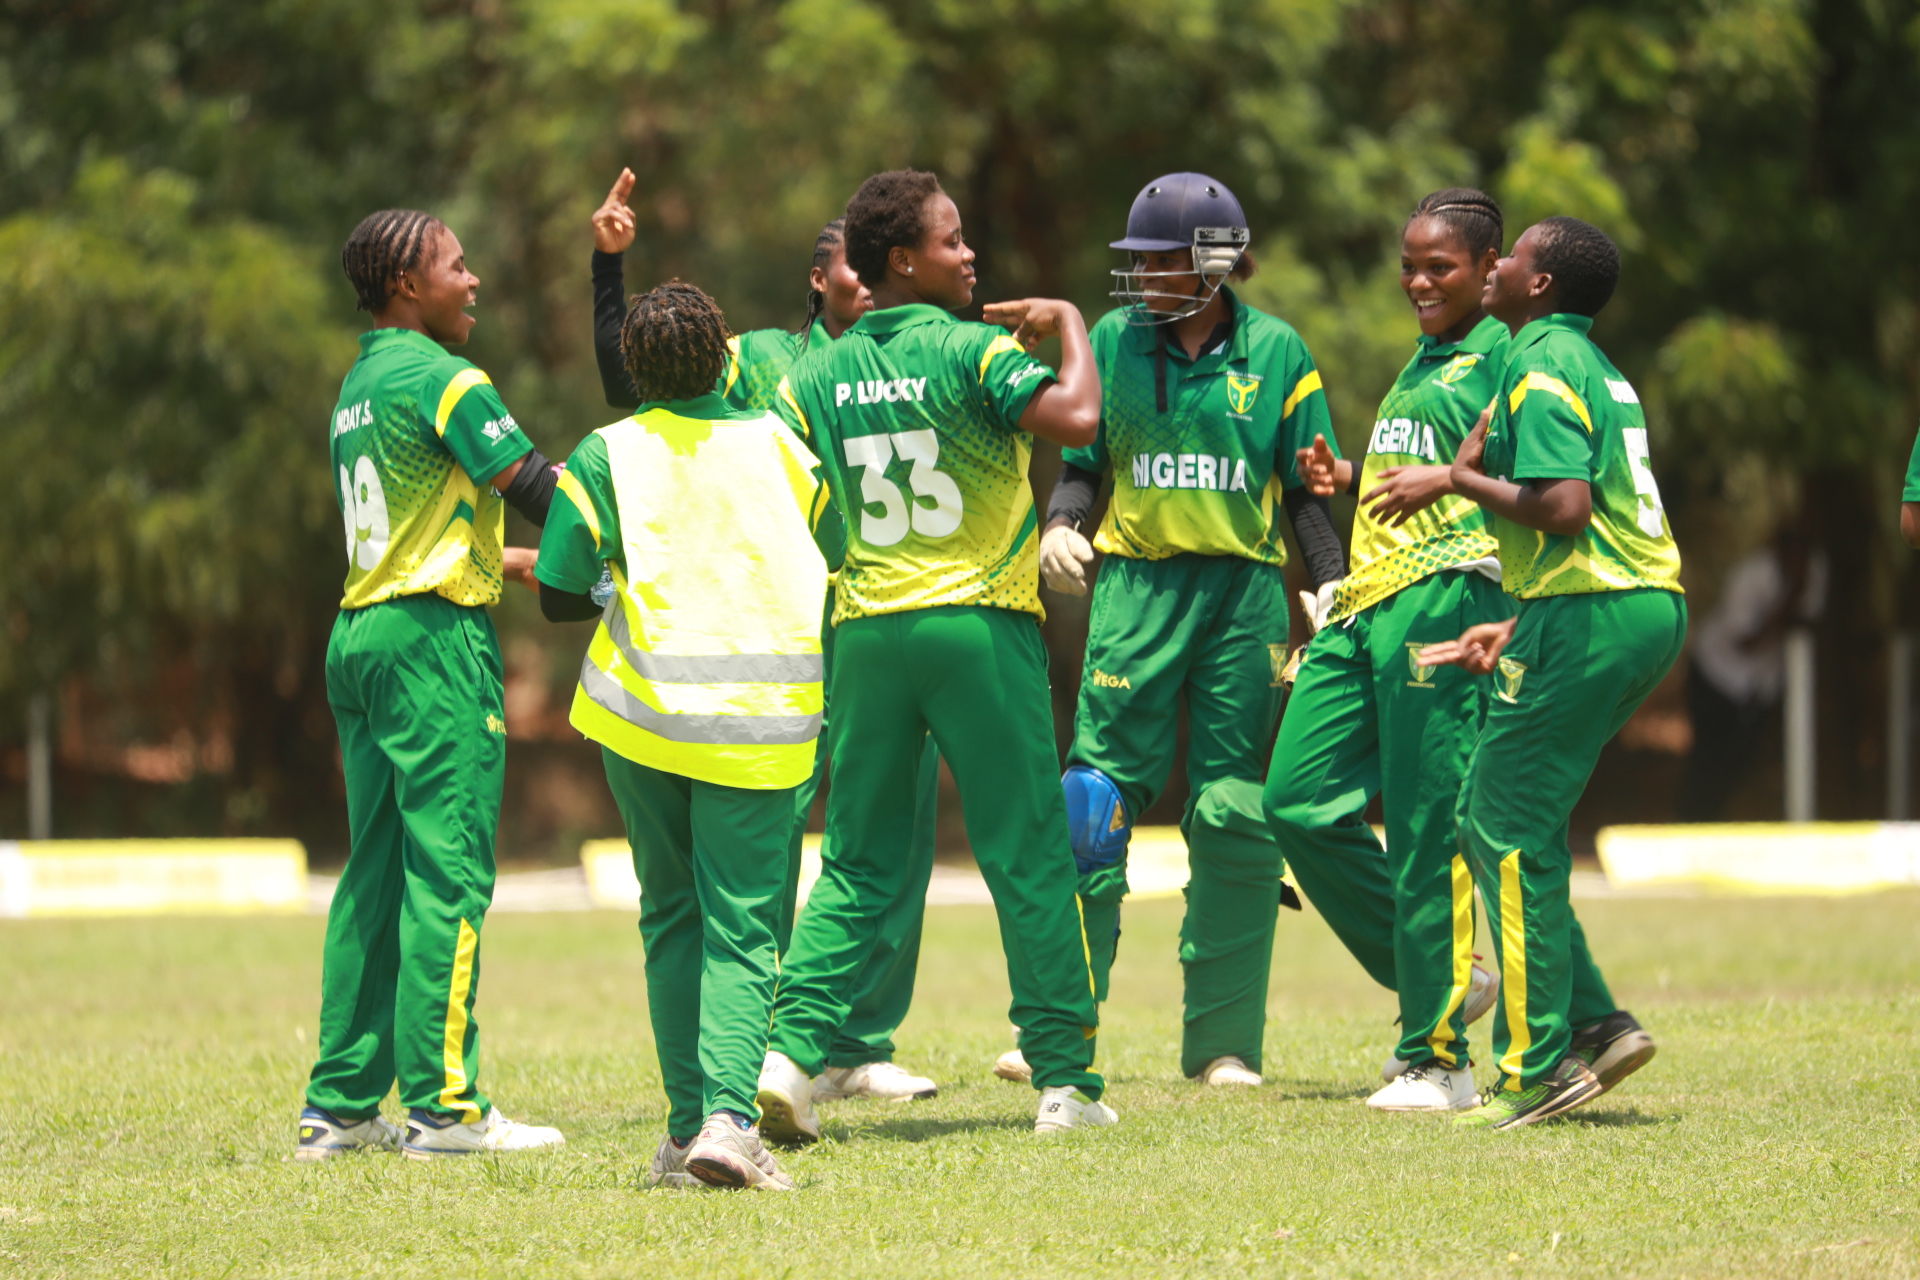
(1061, 522)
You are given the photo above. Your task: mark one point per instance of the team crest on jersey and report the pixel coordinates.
(1277, 657)
(1510, 675)
(1422, 672)
(1458, 368)
(1241, 391)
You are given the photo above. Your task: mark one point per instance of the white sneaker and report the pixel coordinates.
(430, 1136)
(1063, 1107)
(1483, 992)
(734, 1159)
(324, 1135)
(871, 1080)
(669, 1167)
(1229, 1071)
(786, 1101)
(1012, 1065)
(1428, 1087)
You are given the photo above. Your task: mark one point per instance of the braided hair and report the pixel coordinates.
(889, 209)
(674, 342)
(823, 247)
(381, 247)
(1472, 215)
(1582, 259)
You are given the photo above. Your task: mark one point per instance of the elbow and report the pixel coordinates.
(1080, 427)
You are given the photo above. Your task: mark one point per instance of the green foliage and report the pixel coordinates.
(1757, 159)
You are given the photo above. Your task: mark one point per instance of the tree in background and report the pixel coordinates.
(176, 177)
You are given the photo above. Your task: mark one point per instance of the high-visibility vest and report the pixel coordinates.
(707, 661)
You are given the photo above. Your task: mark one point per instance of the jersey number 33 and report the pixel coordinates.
(898, 513)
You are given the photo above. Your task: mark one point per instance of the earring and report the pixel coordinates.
(909, 270)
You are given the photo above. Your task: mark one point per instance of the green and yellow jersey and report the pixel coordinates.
(1200, 450)
(1433, 405)
(915, 416)
(1911, 491)
(416, 436)
(1564, 412)
(756, 362)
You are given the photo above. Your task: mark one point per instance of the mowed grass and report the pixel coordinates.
(151, 1070)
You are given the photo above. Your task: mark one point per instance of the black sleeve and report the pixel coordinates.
(1312, 519)
(1074, 494)
(531, 492)
(566, 606)
(609, 314)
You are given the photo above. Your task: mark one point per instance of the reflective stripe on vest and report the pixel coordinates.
(707, 663)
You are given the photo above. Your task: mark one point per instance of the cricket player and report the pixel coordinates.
(425, 453)
(1560, 461)
(860, 1062)
(924, 426)
(1367, 716)
(703, 688)
(1206, 403)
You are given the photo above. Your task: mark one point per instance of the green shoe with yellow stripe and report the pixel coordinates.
(1571, 1084)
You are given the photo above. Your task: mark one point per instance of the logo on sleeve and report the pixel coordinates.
(498, 429)
(1242, 390)
(1024, 373)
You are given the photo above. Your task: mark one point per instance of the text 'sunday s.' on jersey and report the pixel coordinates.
(915, 416)
(1432, 407)
(1564, 412)
(416, 436)
(1200, 450)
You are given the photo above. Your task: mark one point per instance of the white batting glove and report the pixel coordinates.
(1064, 557)
(1318, 604)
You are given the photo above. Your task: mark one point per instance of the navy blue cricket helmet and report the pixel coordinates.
(1180, 211)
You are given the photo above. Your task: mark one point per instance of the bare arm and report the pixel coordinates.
(1067, 409)
(1910, 523)
(1552, 506)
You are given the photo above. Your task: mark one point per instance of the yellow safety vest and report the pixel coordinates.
(707, 661)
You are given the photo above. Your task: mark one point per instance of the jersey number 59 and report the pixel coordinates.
(364, 505)
(898, 513)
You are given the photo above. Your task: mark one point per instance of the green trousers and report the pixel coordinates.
(974, 678)
(712, 863)
(1226, 937)
(883, 990)
(416, 693)
(1212, 631)
(1575, 670)
(1367, 718)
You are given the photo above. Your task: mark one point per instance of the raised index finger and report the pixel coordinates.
(622, 187)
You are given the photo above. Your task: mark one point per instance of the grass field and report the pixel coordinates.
(150, 1072)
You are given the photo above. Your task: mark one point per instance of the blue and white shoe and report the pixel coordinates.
(430, 1136)
(324, 1135)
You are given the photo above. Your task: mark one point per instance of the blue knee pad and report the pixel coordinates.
(1097, 819)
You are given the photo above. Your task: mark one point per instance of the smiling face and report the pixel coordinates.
(847, 299)
(940, 269)
(1178, 288)
(1516, 290)
(1441, 278)
(441, 289)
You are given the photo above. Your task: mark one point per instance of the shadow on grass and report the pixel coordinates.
(1322, 1091)
(1618, 1119)
(911, 1129)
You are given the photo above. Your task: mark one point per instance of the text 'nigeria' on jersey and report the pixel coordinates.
(1404, 436)
(1189, 471)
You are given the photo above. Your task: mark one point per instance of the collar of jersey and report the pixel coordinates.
(1485, 337)
(1147, 336)
(894, 319)
(1566, 321)
(711, 407)
(373, 338)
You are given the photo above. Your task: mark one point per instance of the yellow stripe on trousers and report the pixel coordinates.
(1513, 968)
(454, 1055)
(1442, 1038)
(1080, 909)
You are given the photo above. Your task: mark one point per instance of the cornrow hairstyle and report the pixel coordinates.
(381, 247)
(1582, 259)
(674, 342)
(889, 209)
(1472, 215)
(823, 246)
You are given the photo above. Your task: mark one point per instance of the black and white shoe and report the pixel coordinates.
(1614, 1048)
